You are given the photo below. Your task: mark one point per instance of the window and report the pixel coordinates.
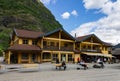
(25, 41)
(66, 45)
(46, 56)
(54, 57)
(24, 56)
(34, 42)
(70, 57)
(45, 43)
(52, 44)
(57, 44)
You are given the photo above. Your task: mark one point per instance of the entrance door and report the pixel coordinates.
(54, 57)
(34, 58)
(63, 57)
(14, 58)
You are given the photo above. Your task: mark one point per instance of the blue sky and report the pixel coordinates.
(84, 17)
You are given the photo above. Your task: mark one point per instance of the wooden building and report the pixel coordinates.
(116, 53)
(91, 47)
(30, 47)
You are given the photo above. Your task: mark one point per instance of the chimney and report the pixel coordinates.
(75, 35)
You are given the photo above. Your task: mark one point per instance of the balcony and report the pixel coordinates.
(91, 50)
(50, 47)
(62, 48)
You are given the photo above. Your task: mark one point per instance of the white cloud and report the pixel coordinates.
(106, 28)
(65, 15)
(74, 12)
(48, 1)
(94, 4)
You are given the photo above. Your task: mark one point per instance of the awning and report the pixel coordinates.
(97, 54)
(93, 54)
(107, 55)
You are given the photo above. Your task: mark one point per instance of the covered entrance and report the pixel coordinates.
(63, 57)
(14, 58)
(46, 57)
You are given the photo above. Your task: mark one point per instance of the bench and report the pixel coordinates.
(60, 66)
(2, 68)
(29, 67)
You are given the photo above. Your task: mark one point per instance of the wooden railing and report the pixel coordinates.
(50, 47)
(91, 50)
(62, 48)
(70, 48)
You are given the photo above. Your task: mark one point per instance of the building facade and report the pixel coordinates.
(91, 48)
(31, 47)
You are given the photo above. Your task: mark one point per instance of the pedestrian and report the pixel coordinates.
(99, 61)
(73, 60)
(78, 60)
(64, 65)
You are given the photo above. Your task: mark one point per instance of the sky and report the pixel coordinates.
(83, 17)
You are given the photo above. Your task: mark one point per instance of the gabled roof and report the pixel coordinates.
(83, 38)
(27, 33)
(24, 47)
(57, 30)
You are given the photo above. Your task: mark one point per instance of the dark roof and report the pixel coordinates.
(83, 38)
(116, 51)
(24, 47)
(27, 33)
(108, 44)
(59, 29)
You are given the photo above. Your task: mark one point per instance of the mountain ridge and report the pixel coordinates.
(24, 14)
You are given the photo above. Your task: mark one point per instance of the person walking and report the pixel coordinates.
(78, 60)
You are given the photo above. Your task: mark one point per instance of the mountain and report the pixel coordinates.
(116, 46)
(24, 14)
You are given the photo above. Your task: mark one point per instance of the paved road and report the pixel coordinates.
(48, 73)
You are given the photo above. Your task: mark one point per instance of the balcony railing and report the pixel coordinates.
(62, 48)
(50, 47)
(91, 50)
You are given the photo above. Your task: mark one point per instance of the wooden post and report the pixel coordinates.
(59, 57)
(41, 56)
(91, 46)
(80, 45)
(42, 42)
(59, 39)
(51, 55)
(9, 53)
(19, 58)
(66, 57)
(73, 45)
(29, 58)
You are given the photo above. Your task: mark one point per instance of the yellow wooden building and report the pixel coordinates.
(30, 47)
(90, 47)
